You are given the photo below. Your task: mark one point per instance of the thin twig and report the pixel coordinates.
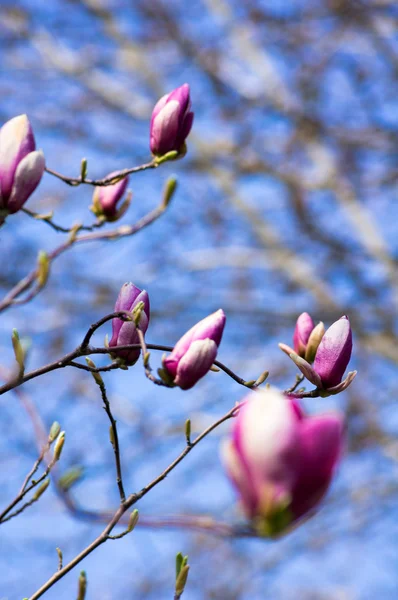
(75, 181)
(118, 233)
(129, 502)
(114, 438)
(299, 379)
(145, 360)
(48, 219)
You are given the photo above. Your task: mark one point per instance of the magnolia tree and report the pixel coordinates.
(280, 459)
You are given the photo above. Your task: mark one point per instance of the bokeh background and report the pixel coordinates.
(287, 201)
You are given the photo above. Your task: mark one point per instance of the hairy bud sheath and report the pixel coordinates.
(280, 460)
(21, 165)
(195, 352)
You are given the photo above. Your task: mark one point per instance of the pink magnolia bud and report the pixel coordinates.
(107, 197)
(302, 332)
(171, 122)
(334, 353)
(195, 352)
(125, 332)
(280, 460)
(21, 165)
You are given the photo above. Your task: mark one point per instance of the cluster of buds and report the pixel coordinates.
(107, 197)
(194, 354)
(21, 165)
(280, 460)
(171, 122)
(329, 351)
(124, 333)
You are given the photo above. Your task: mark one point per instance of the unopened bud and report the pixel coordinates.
(70, 478)
(96, 376)
(40, 490)
(188, 430)
(59, 444)
(83, 169)
(43, 268)
(19, 351)
(133, 520)
(54, 431)
(261, 378)
(112, 436)
(169, 190)
(81, 594)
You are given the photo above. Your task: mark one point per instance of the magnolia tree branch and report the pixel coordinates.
(47, 218)
(200, 523)
(130, 501)
(75, 181)
(113, 434)
(41, 483)
(84, 349)
(118, 233)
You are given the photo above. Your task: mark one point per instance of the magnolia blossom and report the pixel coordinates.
(21, 165)
(107, 197)
(195, 352)
(125, 332)
(331, 359)
(171, 122)
(280, 460)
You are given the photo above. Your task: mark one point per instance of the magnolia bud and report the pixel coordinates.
(280, 460)
(195, 352)
(125, 332)
(21, 165)
(107, 197)
(171, 122)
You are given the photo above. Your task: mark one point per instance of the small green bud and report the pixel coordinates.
(169, 191)
(262, 378)
(188, 430)
(133, 520)
(82, 586)
(112, 436)
(54, 431)
(59, 444)
(182, 580)
(41, 489)
(70, 477)
(83, 169)
(96, 376)
(43, 268)
(19, 351)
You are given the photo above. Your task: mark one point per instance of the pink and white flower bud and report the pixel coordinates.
(125, 332)
(21, 165)
(331, 351)
(106, 199)
(171, 122)
(334, 353)
(280, 460)
(195, 352)
(302, 332)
